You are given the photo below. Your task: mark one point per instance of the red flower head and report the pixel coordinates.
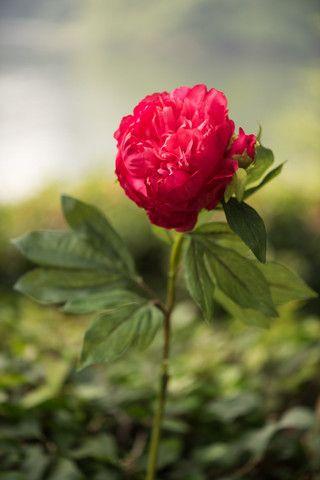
(175, 154)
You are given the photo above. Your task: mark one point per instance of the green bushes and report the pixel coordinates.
(242, 401)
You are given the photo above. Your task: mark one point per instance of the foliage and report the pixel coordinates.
(241, 405)
(92, 265)
(235, 369)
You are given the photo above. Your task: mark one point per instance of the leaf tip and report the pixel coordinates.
(312, 293)
(67, 202)
(17, 286)
(17, 242)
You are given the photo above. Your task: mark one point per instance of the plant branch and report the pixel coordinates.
(170, 301)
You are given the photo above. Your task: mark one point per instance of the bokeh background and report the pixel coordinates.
(244, 402)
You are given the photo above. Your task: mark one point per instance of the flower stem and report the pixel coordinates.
(158, 417)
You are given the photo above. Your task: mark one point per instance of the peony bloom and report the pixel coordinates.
(178, 152)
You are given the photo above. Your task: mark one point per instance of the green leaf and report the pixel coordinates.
(198, 280)
(59, 249)
(113, 333)
(96, 301)
(35, 463)
(240, 279)
(101, 447)
(258, 440)
(221, 233)
(270, 176)
(285, 285)
(56, 371)
(237, 185)
(12, 475)
(56, 286)
(169, 452)
(246, 223)
(259, 134)
(229, 408)
(241, 181)
(245, 315)
(263, 160)
(213, 228)
(300, 418)
(65, 470)
(93, 226)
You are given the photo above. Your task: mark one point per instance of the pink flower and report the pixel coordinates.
(244, 144)
(175, 154)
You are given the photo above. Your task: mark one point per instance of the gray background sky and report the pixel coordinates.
(70, 69)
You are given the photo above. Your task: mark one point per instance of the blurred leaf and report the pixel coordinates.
(259, 134)
(101, 447)
(229, 408)
(246, 223)
(56, 286)
(270, 176)
(13, 476)
(263, 160)
(112, 333)
(175, 425)
(240, 279)
(198, 280)
(56, 372)
(35, 463)
(257, 441)
(285, 285)
(66, 470)
(93, 226)
(59, 249)
(169, 452)
(27, 428)
(300, 418)
(222, 454)
(93, 302)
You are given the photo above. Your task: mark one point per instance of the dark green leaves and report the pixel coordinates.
(198, 280)
(270, 176)
(263, 160)
(90, 269)
(91, 225)
(100, 300)
(58, 285)
(112, 333)
(59, 249)
(246, 223)
(216, 269)
(209, 265)
(240, 279)
(242, 218)
(285, 285)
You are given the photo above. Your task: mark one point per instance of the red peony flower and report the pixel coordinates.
(175, 154)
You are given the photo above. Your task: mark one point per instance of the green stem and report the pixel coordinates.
(158, 417)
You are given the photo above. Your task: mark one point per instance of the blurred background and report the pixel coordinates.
(244, 402)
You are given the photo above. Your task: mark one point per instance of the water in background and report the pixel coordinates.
(71, 68)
